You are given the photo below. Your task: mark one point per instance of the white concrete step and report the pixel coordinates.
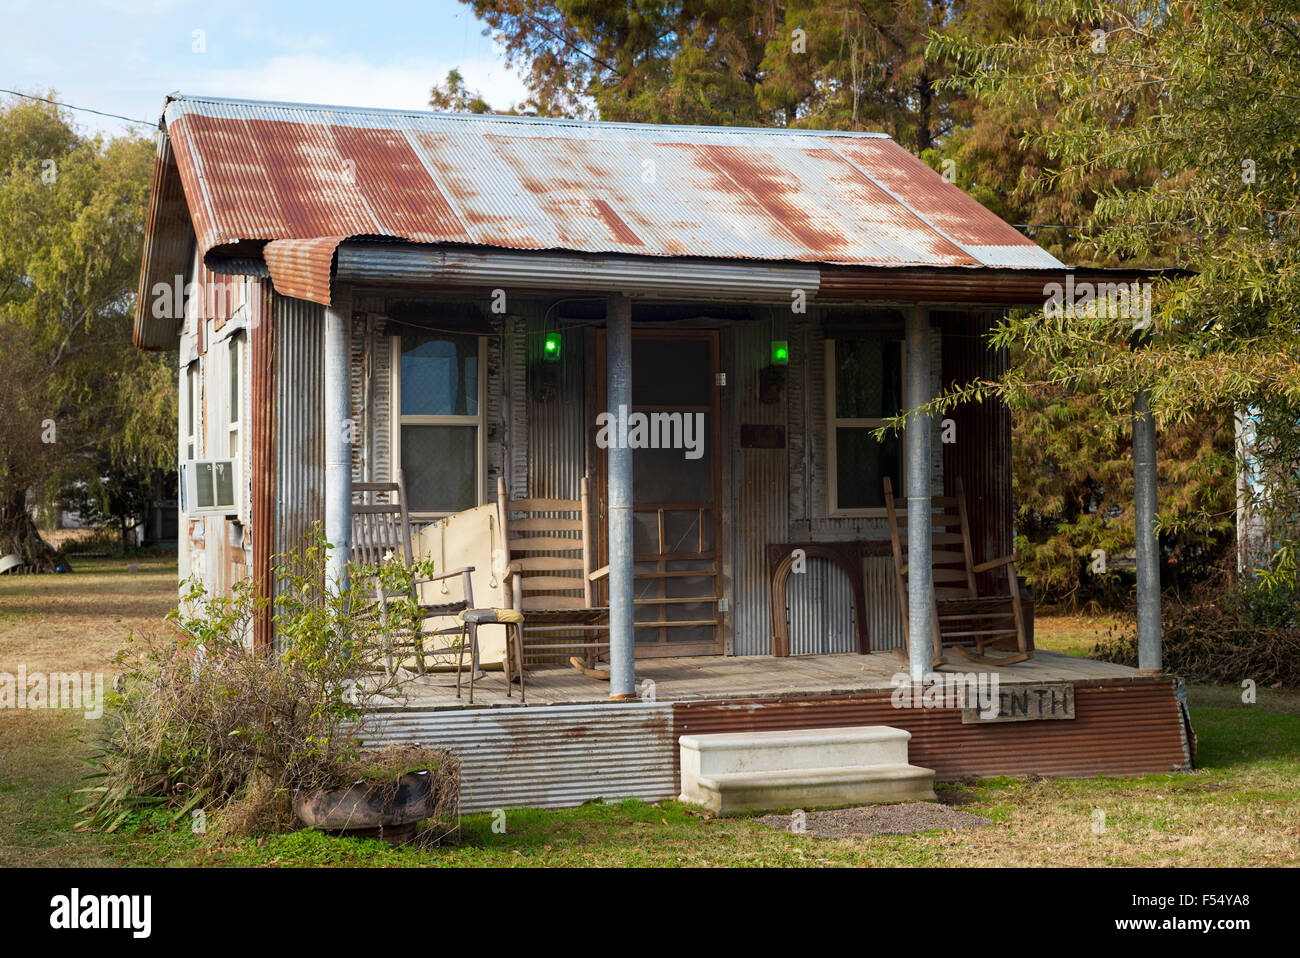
(801, 768)
(814, 787)
(794, 748)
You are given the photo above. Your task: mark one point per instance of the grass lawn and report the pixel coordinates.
(1241, 807)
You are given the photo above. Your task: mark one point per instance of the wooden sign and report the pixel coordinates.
(1027, 703)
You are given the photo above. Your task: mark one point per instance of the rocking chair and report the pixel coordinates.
(962, 619)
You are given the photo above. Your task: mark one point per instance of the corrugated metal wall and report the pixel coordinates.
(300, 419)
(884, 620)
(761, 485)
(981, 456)
(546, 756)
(557, 435)
(820, 604)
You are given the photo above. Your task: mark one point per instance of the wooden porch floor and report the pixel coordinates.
(711, 677)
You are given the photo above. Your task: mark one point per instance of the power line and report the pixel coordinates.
(83, 109)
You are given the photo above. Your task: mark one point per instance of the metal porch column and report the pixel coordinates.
(920, 576)
(338, 448)
(1150, 658)
(618, 359)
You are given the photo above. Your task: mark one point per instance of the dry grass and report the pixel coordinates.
(1071, 634)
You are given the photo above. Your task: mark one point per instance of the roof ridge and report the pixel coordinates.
(522, 120)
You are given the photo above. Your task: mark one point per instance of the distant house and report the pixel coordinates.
(471, 262)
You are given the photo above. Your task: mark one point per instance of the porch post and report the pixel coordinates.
(920, 576)
(338, 448)
(618, 358)
(1144, 531)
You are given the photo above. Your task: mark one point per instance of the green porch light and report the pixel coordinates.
(780, 352)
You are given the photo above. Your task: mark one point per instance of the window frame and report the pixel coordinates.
(834, 423)
(193, 414)
(235, 367)
(398, 419)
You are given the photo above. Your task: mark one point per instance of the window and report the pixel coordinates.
(439, 437)
(864, 389)
(235, 395)
(191, 409)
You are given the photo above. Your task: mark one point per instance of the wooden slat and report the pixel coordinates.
(545, 603)
(547, 563)
(551, 583)
(545, 544)
(544, 505)
(543, 524)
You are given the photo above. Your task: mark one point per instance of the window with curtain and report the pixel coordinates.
(440, 425)
(864, 389)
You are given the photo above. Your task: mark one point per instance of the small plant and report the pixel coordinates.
(207, 721)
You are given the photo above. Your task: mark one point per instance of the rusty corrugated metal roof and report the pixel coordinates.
(276, 171)
(303, 178)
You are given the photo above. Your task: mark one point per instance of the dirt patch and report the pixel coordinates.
(904, 819)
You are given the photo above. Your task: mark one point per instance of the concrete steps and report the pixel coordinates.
(801, 768)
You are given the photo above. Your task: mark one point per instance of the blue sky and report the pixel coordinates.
(123, 56)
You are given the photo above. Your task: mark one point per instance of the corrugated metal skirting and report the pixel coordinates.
(548, 756)
(1120, 728)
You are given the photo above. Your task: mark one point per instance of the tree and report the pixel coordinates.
(72, 214)
(1204, 94)
(452, 96)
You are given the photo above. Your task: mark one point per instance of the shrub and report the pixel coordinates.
(1224, 633)
(208, 721)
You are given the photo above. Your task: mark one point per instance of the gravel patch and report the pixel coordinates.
(906, 818)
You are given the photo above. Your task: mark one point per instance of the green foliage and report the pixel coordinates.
(72, 212)
(208, 720)
(1193, 105)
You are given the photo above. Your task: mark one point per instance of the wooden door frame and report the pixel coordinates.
(600, 474)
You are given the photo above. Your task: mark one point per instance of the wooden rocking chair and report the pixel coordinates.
(549, 561)
(962, 619)
(381, 532)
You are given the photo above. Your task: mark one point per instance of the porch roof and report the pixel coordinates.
(274, 188)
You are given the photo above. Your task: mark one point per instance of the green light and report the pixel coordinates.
(551, 347)
(780, 352)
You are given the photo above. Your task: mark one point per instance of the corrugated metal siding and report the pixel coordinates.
(761, 482)
(547, 756)
(300, 420)
(820, 609)
(516, 406)
(981, 456)
(1120, 728)
(557, 434)
(494, 410)
(263, 365)
(884, 621)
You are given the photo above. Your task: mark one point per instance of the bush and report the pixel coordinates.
(1224, 633)
(206, 721)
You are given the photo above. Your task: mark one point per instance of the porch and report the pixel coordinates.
(698, 678)
(572, 744)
